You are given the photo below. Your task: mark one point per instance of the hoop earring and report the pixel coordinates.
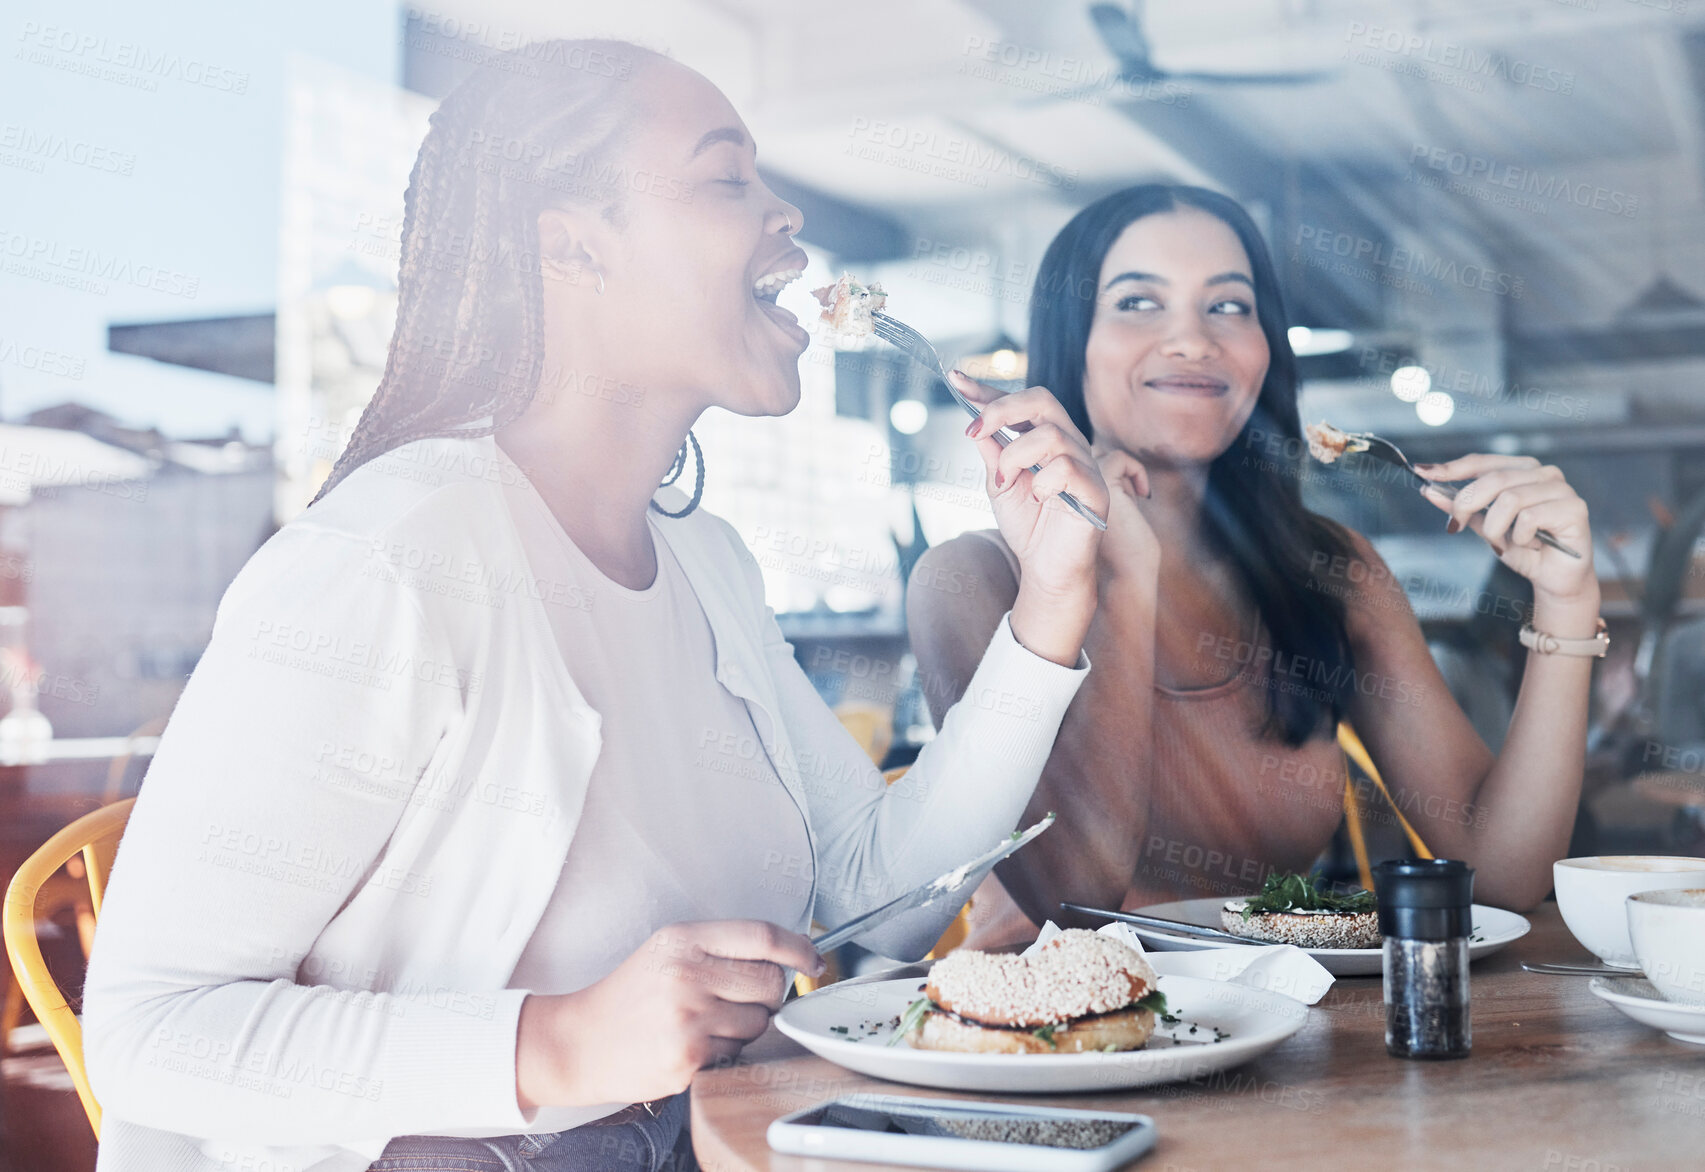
(600, 277)
(680, 466)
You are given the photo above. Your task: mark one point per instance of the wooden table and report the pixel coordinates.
(1558, 1082)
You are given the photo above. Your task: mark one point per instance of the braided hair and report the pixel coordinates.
(533, 129)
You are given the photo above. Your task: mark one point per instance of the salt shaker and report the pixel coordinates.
(1426, 917)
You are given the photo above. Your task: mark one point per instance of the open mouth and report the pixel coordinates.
(765, 290)
(770, 285)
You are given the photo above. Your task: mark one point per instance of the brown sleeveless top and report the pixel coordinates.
(1227, 806)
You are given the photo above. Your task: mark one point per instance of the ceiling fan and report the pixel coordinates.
(1121, 30)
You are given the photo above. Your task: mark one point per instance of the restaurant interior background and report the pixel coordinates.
(1487, 217)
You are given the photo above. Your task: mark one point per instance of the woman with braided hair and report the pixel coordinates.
(498, 804)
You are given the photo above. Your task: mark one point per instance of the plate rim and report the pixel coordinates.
(1598, 986)
(1055, 1061)
(1516, 932)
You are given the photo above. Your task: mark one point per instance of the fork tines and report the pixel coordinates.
(898, 333)
(893, 325)
(888, 326)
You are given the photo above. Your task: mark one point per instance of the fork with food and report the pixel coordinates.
(854, 310)
(1328, 444)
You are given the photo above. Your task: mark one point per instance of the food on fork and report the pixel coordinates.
(1293, 909)
(847, 305)
(1326, 443)
(1081, 992)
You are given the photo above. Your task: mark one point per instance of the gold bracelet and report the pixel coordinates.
(1547, 644)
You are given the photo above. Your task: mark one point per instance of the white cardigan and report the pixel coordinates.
(366, 794)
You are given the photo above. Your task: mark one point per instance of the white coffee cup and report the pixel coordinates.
(1668, 930)
(1592, 891)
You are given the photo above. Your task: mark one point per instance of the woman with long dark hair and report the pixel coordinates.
(1235, 628)
(498, 804)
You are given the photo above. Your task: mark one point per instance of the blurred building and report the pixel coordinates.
(116, 543)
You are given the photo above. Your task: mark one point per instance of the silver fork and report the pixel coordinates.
(917, 347)
(1381, 448)
(1578, 970)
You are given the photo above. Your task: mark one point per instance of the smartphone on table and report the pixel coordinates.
(962, 1133)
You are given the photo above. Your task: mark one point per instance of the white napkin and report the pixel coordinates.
(1278, 968)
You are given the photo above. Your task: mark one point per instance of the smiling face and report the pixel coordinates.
(1176, 357)
(686, 310)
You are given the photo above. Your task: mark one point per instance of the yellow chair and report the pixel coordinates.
(93, 837)
(68, 889)
(1353, 748)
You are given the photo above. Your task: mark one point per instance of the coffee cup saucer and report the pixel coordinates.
(1635, 996)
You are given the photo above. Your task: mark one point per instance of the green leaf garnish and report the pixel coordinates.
(911, 1019)
(1154, 1001)
(1046, 1033)
(1289, 892)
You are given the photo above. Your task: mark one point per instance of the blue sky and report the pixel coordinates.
(140, 155)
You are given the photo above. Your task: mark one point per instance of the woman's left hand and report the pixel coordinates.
(1507, 500)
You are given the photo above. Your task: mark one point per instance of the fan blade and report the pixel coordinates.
(1123, 36)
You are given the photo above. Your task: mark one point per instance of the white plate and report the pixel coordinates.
(1636, 997)
(1493, 929)
(1252, 1021)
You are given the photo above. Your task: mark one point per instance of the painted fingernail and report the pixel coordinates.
(1425, 467)
(1453, 525)
(972, 429)
(1000, 480)
(820, 967)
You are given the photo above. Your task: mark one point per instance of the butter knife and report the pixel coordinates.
(1161, 924)
(956, 882)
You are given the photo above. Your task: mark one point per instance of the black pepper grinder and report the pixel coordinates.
(1426, 917)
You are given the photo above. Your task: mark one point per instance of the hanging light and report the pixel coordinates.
(1435, 408)
(1004, 361)
(908, 416)
(1307, 342)
(1411, 383)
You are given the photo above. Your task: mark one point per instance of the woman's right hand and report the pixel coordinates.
(692, 995)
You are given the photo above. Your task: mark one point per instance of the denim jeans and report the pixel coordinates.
(643, 1144)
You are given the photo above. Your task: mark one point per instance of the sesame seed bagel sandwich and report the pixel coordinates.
(1081, 991)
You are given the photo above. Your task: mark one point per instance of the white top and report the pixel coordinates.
(681, 764)
(367, 794)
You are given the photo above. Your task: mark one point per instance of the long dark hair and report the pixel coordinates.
(532, 129)
(1253, 509)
